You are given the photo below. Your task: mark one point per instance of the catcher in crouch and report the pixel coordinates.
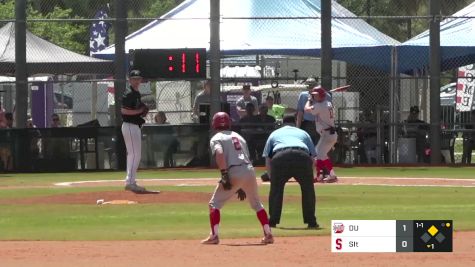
(237, 177)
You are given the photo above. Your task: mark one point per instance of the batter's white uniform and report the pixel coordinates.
(324, 121)
(240, 170)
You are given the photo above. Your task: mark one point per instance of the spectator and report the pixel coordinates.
(55, 121)
(9, 119)
(35, 142)
(248, 129)
(56, 149)
(161, 118)
(6, 160)
(3, 122)
(203, 97)
(265, 126)
(166, 140)
(417, 129)
(274, 110)
(305, 120)
(264, 116)
(468, 140)
(249, 116)
(367, 136)
(244, 100)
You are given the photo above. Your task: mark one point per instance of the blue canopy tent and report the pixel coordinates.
(249, 27)
(456, 40)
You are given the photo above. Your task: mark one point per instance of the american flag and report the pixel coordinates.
(98, 37)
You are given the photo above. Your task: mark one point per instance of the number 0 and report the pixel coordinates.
(404, 244)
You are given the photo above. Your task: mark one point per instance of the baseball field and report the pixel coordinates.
(52, 219)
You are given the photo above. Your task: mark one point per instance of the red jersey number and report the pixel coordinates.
(236, 143)
(331, 112)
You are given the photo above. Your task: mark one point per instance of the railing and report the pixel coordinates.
(187, 145)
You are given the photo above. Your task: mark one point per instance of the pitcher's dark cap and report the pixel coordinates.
(135, 74)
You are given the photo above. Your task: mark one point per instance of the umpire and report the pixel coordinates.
(288, 152)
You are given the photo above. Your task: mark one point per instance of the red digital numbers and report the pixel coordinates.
(185, 63)
(197, 62)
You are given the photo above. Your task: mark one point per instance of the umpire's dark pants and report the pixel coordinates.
(284, 165)
(309, 127)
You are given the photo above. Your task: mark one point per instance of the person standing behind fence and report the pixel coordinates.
(242, 102)
(203, 97)
(322, 109)
(133, 111)
(274, 110)
(306, 121)
(468, 140)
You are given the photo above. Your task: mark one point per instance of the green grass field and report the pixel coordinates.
(190, 220)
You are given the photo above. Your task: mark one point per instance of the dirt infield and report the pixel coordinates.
(296, 251)
(287, 251)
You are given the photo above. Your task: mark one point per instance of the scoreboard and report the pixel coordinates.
(392, 235)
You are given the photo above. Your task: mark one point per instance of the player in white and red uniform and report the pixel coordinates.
(237, 177)
(323, 111)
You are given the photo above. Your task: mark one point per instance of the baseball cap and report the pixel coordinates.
(310, 81)
(246, 87)
(135, 74)
(414, 109)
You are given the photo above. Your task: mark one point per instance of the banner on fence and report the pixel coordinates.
(465, 88)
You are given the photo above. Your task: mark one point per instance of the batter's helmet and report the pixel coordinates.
(221, 121)
(318, 90)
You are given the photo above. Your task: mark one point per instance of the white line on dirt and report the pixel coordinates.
(409, 178)
(65, 184)
(412, 185)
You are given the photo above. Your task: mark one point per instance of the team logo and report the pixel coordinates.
(338, 228)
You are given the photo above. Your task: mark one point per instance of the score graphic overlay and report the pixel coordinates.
(172, 64)
(391, 236)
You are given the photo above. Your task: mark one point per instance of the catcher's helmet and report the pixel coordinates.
(318, 90)
(221, 121)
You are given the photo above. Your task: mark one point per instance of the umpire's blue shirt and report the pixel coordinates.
(286, 137)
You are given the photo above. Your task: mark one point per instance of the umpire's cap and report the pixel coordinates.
(221, 121)
(135, 74)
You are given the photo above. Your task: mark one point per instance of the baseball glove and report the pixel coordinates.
(145, 110)
(265, 177)
(225, 180)
(241, 194)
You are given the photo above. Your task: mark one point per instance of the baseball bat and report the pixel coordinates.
(341, 88)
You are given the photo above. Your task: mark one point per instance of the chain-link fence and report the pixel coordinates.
(380, 48)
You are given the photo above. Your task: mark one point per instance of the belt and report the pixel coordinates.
(244, 164)
(290, 148)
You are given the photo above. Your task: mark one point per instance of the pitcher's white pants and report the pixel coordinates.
(133, 142)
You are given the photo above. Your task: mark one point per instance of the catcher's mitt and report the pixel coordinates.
(145, 110)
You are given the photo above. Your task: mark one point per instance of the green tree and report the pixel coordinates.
(64, 34)
(68, 35)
